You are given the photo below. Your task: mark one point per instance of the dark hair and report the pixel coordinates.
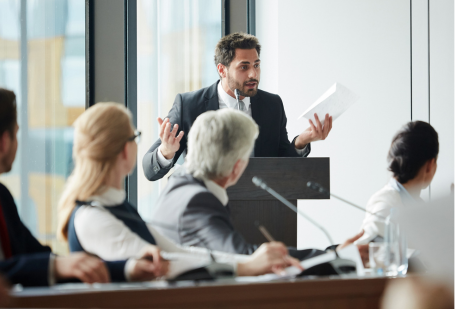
(225, 49)
(414, 145)
(8, 111)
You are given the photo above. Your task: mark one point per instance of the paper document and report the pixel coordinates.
(350, 253)
(334, 102)
(183, 262)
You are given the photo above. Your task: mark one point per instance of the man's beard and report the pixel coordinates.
(8, 160)
(7, 164)
(233, 84)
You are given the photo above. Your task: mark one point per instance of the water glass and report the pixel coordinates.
(378, 254)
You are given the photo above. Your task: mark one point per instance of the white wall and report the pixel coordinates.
(442, 91)
(365, 45)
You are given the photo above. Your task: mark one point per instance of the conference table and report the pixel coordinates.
(310, 292)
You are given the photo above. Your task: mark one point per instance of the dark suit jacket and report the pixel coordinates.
(29, 264)
(267, 110)
(189, 214)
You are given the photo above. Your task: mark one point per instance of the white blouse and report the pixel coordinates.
(101, 233)
(393, 195)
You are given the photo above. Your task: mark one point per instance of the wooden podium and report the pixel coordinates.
(287, 176)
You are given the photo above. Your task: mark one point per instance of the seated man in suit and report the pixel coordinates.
(238, 64)
(22, 258)
(194, 204)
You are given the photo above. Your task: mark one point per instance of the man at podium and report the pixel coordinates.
(193, 209)
(238, 64)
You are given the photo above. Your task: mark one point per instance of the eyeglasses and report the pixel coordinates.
(136, 137)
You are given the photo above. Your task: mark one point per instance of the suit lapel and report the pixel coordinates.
(211, 98)
(256, 114)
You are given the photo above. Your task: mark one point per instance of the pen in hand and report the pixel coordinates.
(270, 238)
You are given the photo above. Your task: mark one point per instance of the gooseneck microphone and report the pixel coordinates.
(317, 187)
(261, 184)
(237, 95)
(337, 266)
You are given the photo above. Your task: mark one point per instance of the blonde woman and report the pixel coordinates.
(104, 154)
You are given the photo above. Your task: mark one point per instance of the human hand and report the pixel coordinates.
(170, 143)
(151, 254)
(145, 270)
(314, 133)
(363, 249)
(82, 266)
(269, 257)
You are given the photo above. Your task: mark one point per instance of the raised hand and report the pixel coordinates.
(269, 257)
(316, 132)
(82, 266)
(170, 141)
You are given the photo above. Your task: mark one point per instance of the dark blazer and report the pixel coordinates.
(197, 218)
(29, 264)
(267, 110)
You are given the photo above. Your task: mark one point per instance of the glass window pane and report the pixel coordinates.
(176, 43)
(46, 70)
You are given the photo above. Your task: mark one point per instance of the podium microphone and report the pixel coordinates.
(237, 95)
(261, 184)
(334, 267)
(317, 187)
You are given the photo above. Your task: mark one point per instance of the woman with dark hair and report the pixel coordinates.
(412, 160)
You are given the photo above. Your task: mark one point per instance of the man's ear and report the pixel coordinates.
(5, 140)
(222, 70)
(237, 165)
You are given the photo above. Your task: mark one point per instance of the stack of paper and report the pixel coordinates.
(334, 102)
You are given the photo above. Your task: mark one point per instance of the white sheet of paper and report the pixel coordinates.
(350, 252)
(182, 262)
(334, 102)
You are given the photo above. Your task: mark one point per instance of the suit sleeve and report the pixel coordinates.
(152, 169)
(206, 223)
(32, 245)
(286, 148)
(21, 237)
(116, 270)
(27, 269)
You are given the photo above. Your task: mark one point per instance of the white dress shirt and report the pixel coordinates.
(101, 233)
(226, 101)
(219, 192)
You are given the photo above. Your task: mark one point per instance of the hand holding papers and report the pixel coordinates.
(334, 102)
(349, 252)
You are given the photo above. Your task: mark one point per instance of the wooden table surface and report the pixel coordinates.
(296, 293)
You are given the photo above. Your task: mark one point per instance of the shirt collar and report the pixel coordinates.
(109, 197)
(228, 100)
(404, 194)
(219, 192)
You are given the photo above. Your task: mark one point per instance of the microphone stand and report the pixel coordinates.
(259, 183)
(317, 187)
(335, 267)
